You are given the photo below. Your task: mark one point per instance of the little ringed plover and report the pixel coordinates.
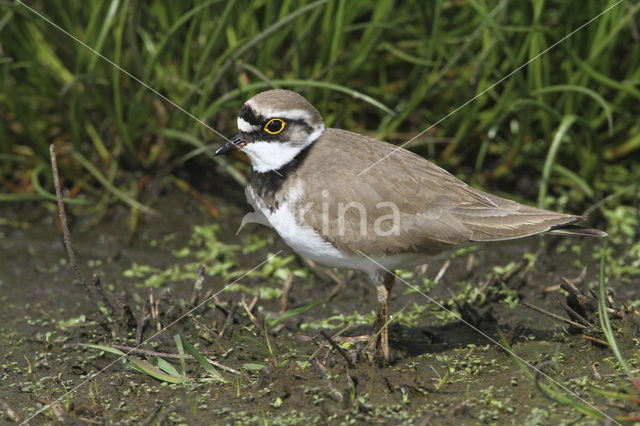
(306, 183)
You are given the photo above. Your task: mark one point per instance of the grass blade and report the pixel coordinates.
(201, 359)
(566, 123)
(149, 369)
(109, 186)
(605, 323)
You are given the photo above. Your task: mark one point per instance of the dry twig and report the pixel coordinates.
(321, 370)
(573, 313)
(145, 352)
(153, 306)
(595, 339)
(63, 222)
(248, 309)
(442, 271)
(144, 318)
(554, 316)
(66, 235)
(197, 287)
(228, 319)
(209, 334)
(337, 347)
(284, 300)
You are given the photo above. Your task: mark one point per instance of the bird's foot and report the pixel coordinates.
(371, 348)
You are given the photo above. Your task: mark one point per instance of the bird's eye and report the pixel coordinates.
(274, 126)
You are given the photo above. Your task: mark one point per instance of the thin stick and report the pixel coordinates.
(620, 374)
(254, 302)
(142, 321)
(63, 218)
(145, 352)
(222, 366)
(284, 300)
(108, 320)
(470, 261)
(337, 347)
(593, 370)
(554, 316)
(197, 287)
(321, 370)
(583, 275)
(206, 330)
(568, 286)
(442, 271)
(571, 311)
(66, 234)
(153, 307)
(594, 339)
(252, 317)
(65, 227)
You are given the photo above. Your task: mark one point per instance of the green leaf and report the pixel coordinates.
(180, 347)
(201, 360)
(143, 366)
(104, 348)
(153, 371)
(164, 366)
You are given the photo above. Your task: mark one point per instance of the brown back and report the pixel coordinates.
(437, 210)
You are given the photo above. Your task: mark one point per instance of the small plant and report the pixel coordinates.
(160, 369)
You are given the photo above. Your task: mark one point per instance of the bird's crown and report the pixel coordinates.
(271, 112)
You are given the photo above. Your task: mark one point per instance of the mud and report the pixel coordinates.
(444, 372)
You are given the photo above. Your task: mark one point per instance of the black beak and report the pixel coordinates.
(236, 142)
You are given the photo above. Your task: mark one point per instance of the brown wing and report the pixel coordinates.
(435, 210)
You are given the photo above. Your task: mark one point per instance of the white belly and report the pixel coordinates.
(303, 239)
(309, 243)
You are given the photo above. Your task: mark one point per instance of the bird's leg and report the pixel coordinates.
(384, 285)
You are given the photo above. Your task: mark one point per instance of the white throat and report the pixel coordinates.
(267, 156)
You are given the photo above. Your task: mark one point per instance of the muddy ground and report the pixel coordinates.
(444, 372)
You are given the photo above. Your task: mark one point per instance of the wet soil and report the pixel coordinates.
(443, 372)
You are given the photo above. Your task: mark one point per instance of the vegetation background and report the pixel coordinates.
(536, 100)
(386, 68)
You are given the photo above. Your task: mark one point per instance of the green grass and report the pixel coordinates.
(159, 368)
(386, 68)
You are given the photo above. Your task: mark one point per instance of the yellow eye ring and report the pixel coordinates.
(274, 126)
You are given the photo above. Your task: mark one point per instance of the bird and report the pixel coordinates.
(317, 188)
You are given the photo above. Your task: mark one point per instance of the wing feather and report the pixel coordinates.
(437, 211)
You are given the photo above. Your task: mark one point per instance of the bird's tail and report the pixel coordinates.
(576, 230)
